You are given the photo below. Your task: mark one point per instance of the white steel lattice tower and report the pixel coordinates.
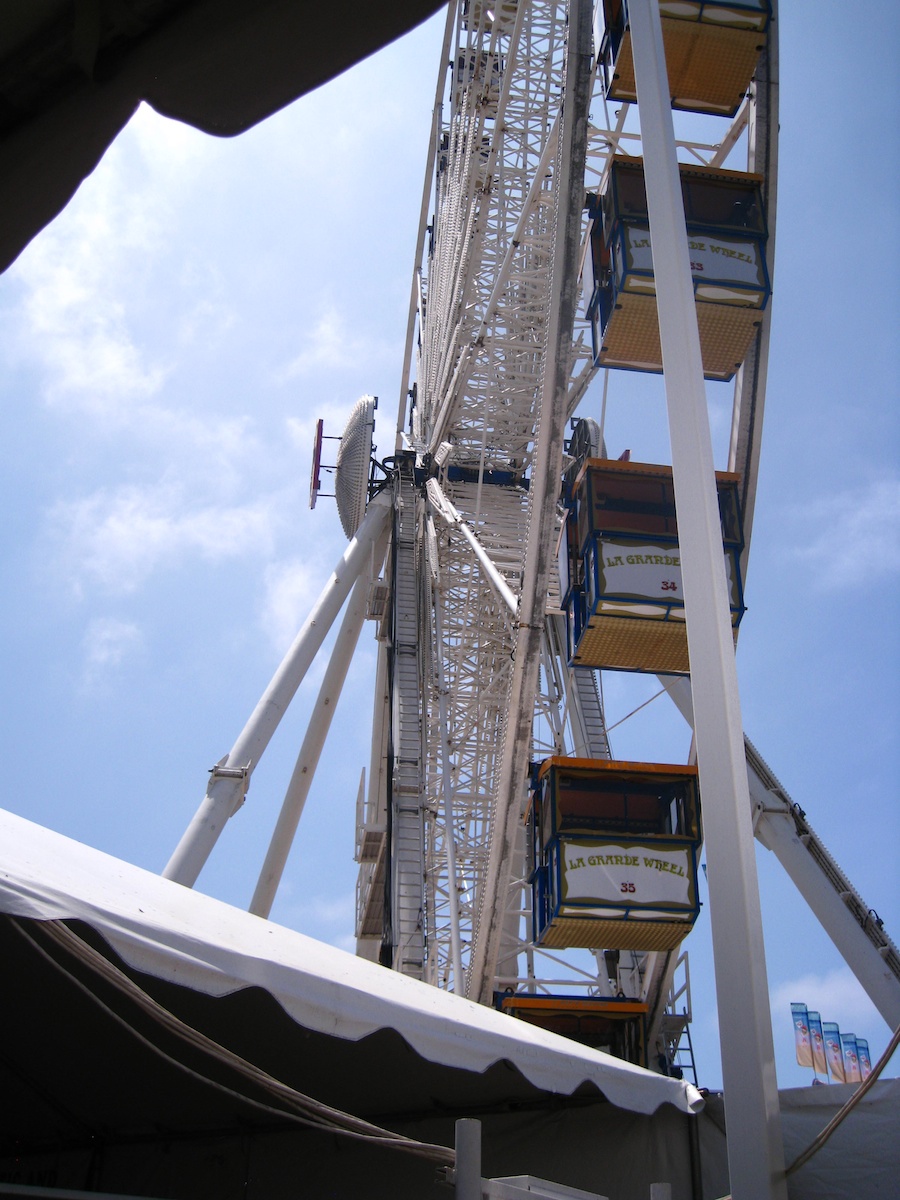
(481, 356)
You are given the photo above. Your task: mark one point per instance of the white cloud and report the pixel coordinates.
(836, 994)
(209, 317)
(87, 283)
(217, 450)
(75, 279)
(333, 909)
(75, 327)
(300, 431)
(291, 588)
(860, 542)
(328, 345)
(117, 538)
(107, 643)
(327, 918)
(173, 151)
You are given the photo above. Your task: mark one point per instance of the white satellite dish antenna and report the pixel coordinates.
(351, 476)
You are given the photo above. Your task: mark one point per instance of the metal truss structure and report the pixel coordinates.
(482, 353)
(483, 369)
(481, 302)
(477, 681)
(473, 679)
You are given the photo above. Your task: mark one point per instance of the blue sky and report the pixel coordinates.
(168, 344)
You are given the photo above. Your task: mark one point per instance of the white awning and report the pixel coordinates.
(186, 938)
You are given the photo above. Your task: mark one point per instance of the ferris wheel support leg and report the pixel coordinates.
(316, 733)
(750, 381)
(817, 877)
(230, 778)
(755, 1149)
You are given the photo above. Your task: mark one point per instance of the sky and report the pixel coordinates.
(170, 340)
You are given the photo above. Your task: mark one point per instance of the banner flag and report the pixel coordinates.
(817, 1041)
(851, 1058)
(833, 1052)
(800, 1019)
(865, 1062)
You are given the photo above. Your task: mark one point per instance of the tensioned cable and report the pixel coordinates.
(300, 1108)
(839, 1116)
(622, 720)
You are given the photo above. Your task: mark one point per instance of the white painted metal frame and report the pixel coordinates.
(313, 742)
(482, 309)
(230, 778)
(485, 333)
(484, 300)
(782, 828)
(479, 370)
(755, 1149)
(505, 861)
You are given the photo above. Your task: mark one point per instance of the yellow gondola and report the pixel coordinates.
(613, 853)
(620, 567)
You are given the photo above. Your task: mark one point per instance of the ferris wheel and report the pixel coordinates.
(507, 558)
(530, 285)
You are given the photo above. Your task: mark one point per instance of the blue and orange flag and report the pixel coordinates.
(817, 1042)
(800, 1018)
(865, 1062)
(833, 1052)
(851, 1058)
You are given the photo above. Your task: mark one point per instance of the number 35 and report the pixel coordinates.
(627, 887)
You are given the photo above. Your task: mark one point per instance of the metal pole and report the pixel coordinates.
(308, 758)
(230, 778)
(755, 1151)
(468, 1160)
(446, 509)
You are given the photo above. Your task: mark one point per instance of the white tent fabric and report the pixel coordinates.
(185, 937)
(860, 1160)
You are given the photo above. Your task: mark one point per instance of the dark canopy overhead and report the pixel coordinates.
(72, 73)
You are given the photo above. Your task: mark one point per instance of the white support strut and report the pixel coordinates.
(444, 508)
(230, 778)
(316, 733)
(755, 1150)
(866, 949)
